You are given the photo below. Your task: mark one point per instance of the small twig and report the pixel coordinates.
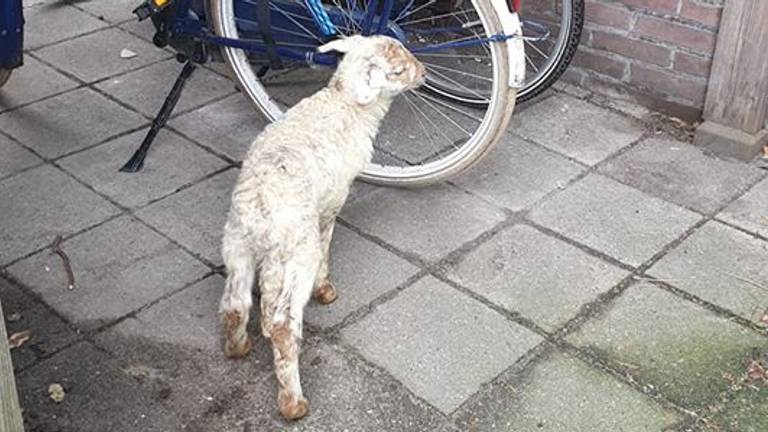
(56, 248)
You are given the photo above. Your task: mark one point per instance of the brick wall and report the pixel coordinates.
(659, 51)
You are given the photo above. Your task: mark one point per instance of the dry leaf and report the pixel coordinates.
(756, 372)
(764, 318)
(765, 151)
(18, 339)
(56, 393)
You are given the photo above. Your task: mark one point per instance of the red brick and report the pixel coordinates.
(699, 40)
(600, 63)
(703, 13)
(632, 48)
(658, 6)
(693, 65)
(667, 82)
(608, 15)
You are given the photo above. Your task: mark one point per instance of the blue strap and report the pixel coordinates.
(321, 17)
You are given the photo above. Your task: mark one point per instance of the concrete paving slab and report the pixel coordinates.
(720, 265)
(119, 267)
(114, 11)
(414, 337)
(32, 82)
(576, 128)
(428, 222)
(41, 203)
(516, 174)
(361, 271)
(507, 270)
(682, 174)
(49, 22)
(173, 162)
(49, 332)
(682, 350)
(560, 393)
(187, 369)
(615, 219)
(146, 89)
(57, 126)
(750, 212)
(14, 158)
(228, 126)
(98, 55)
(93, 384)
(344, 394)
(195, 217)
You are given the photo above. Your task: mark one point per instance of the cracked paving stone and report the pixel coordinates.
(558, 394)
(685, 352)
(720, 265)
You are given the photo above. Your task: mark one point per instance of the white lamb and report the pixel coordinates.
(293, 183)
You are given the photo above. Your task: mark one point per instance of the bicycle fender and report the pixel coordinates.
(510, 23)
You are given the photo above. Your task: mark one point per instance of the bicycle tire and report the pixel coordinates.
(5, 74)
(564, 57)
(488, 133)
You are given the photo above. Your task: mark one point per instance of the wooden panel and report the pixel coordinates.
(738, 88)
(10, 413)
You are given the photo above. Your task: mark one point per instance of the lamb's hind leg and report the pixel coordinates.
(237, 299)
(324, 291)
(285, 326)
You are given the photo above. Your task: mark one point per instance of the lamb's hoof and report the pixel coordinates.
(290, 408)
(238, 350)
(326, 294)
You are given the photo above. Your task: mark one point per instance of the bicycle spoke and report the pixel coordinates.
(466, 56)
(427, 4)
(451, 107)
(533, 65)
(450, 120)
(460, 72)
(449, 79)
(430, 121)
(454, 14)
(415, 111)
(288, 15)
(535, 48)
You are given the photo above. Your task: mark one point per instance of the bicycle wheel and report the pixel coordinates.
(5, 74)
(561, 21)
(551, 30)
(425, 138)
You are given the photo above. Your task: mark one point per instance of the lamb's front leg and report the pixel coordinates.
(323, 291)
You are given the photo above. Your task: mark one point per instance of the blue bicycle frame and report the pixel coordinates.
(11, 34)
(299, 28)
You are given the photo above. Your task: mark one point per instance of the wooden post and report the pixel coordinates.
(737, 98)
(10, 413)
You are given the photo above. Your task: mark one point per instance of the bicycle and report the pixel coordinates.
(473, 49)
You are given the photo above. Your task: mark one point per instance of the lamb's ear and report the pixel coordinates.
(342, 45)
(367, 90)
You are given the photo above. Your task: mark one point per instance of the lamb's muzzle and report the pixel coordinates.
(292, 185)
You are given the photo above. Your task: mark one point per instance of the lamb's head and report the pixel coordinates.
(374, 67)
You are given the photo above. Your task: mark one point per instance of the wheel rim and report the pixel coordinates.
(390, 164)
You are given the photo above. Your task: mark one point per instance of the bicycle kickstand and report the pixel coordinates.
(136, 163)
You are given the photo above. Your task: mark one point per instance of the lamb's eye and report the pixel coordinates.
(398, 71)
